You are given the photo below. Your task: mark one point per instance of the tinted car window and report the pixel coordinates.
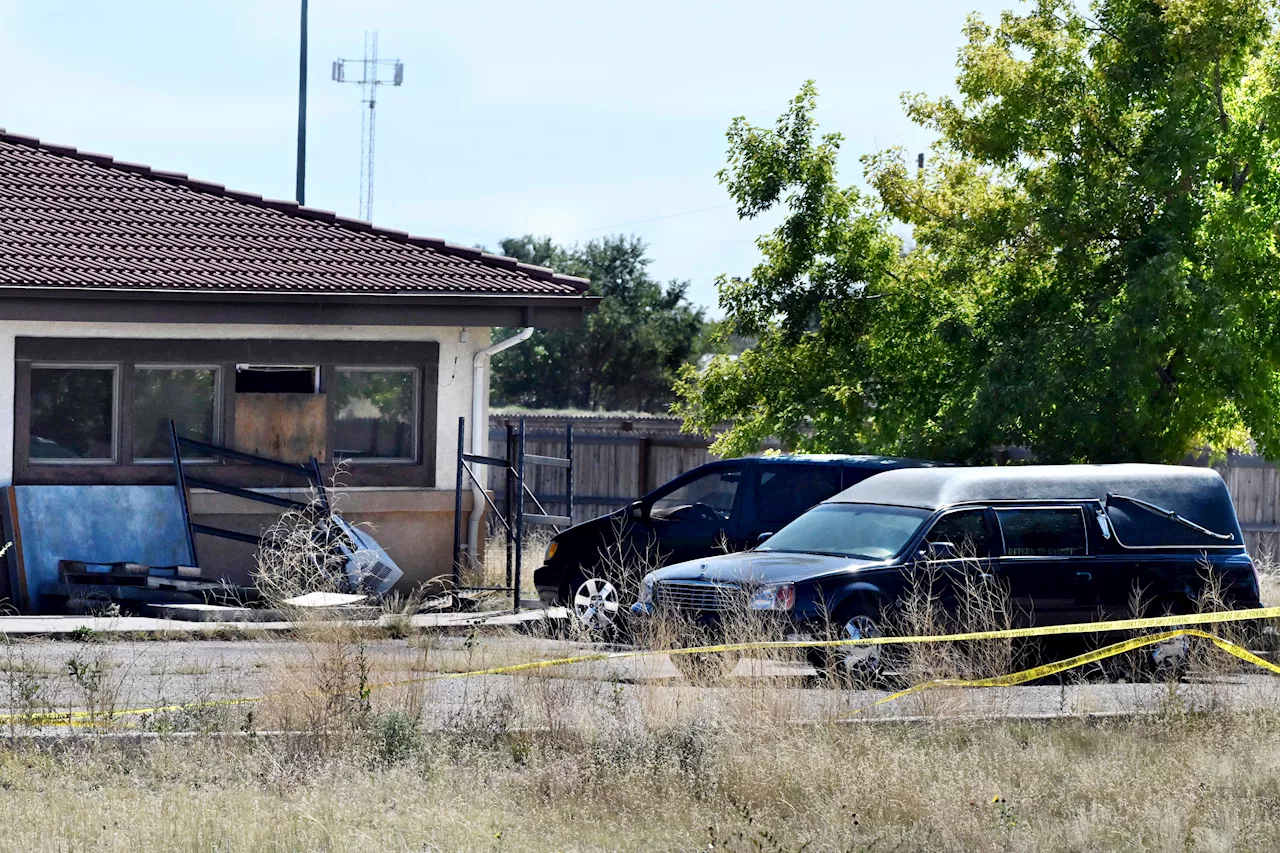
(849, 530)
(1042, 532)
(966, 530)
(716, 489)
(784, 491)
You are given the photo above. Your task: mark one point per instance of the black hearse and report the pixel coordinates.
(722, 506)
(1068, 543)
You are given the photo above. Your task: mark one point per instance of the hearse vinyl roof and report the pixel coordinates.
(854, 460)
(1198, 494)
(935, 488)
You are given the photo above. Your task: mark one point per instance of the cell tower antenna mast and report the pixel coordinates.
(370, 69)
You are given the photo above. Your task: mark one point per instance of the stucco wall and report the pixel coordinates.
(415, 525)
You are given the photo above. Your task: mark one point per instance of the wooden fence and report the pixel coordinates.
(1254, 484)
(618, 458)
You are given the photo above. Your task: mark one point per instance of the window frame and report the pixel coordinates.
(123, 354)
(217, 410)
(650, 501)
(764, 467)
(415, 440)
(988, 518)
(315, 369)
(116, 393)
(1084, 531)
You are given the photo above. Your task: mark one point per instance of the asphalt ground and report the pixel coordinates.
(44, 676)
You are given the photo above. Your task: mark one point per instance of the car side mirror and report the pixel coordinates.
(638, 511)
(763, 538)
(940, 551)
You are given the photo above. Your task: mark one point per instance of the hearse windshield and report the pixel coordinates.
(866, 531)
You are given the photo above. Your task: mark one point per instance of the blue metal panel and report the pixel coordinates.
(97, 524)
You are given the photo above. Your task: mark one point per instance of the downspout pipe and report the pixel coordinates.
(480, 432)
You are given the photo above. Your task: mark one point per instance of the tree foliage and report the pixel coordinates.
(1093, 272)
(628, 352)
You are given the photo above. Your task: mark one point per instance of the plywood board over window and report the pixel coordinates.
(288, 427)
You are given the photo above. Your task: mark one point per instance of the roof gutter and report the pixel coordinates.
(480, 430)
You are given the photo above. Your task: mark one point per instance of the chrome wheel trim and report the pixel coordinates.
(595, 603)
(860, 659)
(1172, 653)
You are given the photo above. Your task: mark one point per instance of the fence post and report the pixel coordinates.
(508, 497)
(568, 472)
(457, 508)
(642, 473)
(519, 521)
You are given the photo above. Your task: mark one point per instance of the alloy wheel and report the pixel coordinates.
(859, 660)
(595, 603)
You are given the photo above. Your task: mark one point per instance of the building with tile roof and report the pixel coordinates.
(129, 296)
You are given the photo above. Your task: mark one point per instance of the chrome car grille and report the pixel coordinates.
(697, 596)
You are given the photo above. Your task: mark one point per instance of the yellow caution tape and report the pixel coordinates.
(1175, 621)
(1044, 671)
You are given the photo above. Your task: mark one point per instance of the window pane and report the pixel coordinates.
(182, 394)
(965, 530)
(785, 491)
(374, 414)
(849, 530)
(716, 489)
(72, 413)
(1042, 532)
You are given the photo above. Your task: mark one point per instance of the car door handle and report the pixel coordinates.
(1084, 577)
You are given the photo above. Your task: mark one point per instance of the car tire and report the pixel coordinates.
(594, 603)
(1162, 663)
(858, 666)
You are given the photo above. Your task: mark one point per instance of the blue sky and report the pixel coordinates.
(570, 119)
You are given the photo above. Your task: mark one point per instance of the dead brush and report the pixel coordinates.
(329, 693)
(299, 554)
(398, 610)
(960, 596)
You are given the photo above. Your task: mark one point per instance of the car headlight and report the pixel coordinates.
(774, 596)
(551, 551)
(646, 590)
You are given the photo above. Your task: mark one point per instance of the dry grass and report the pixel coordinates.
(358, 748)
(547, 762)
(1150, 785)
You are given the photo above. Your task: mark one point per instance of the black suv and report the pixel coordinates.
(721, 507)
(1069, 543)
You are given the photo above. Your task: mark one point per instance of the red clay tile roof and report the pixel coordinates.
(72, 219)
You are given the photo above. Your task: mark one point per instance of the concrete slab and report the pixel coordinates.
(60, 625)
(211, 613)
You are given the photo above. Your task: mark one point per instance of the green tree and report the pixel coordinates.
(628, 352)
(1094, 269)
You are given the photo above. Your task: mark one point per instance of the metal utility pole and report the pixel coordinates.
(369, 82)
(302, 109)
